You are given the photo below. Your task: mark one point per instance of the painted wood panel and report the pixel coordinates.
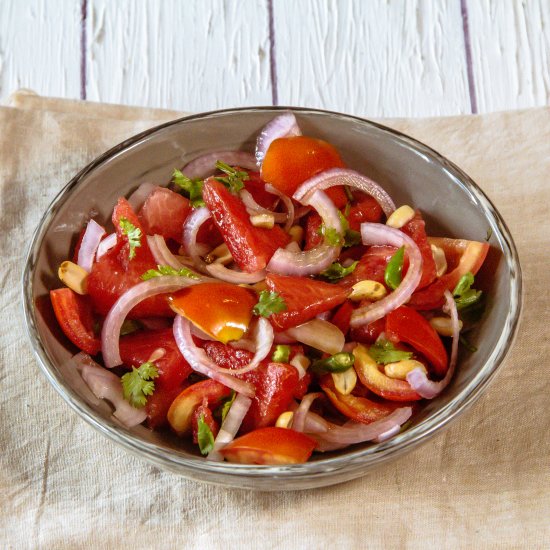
(40, 47)
(510, 41)
(191, 56)
(375, 58)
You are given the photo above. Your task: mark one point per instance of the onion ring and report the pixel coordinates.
(205, 165)
(284, 125)
(89, 245)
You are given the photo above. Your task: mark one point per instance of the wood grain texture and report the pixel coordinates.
(40, 47)
(375, 58)
(191, 56)
(510, 42)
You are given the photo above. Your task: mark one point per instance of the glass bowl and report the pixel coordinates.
(453, 205)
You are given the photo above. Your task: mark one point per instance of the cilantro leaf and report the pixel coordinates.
(227, 405)
(133, 233)
(384, 352)
(234, 180)
(337, 271)
(465, 295)
(351, 237)
(269, 303)
(205, 437)
(392, 274)
(281, 354)
(168, 270)
(138, 384)
(331, 235)
(339, 362)
(192, 188)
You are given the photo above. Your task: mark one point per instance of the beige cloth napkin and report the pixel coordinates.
(483, 483)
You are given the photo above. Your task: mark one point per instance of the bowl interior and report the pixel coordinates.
(411, 173)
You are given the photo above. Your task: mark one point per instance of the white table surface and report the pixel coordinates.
(367, 57)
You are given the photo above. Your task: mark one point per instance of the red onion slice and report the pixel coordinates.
(139, 196)
(201, 363)
(89, 245)
(190, 231)
(287, 201)
(237, 277)
(105, 384)
(337, 437)
(205, 165)
(299, 418)
(319, 334)
(380, 234)
(230, 426)
(344, 176)
(317, 259)
(418, 380)
(161, 252)
(253, 208)
(284, 125)
(105, 245)
(110, 332)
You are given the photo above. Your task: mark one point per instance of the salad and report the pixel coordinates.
(267, 306)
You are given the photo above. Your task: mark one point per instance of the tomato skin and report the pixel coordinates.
(462, 257)
(358, 408)
(222, 310)
(291, 161)
(163, 213)
(74, 315)
(270, 446)
(114, 273)
(305, 298)
(342, 317)
(251, 247)
(256, 187)
(173, 369)
(275, 384)
(404, 324)
(377, 382)
(312, 236)
(180, 413)
(416, 229)
(203, 410)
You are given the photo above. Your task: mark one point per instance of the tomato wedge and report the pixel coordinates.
(203, 410)
(180, 413)
(114, 273)
(462, 257)
(416, 229)
(164, 213)
(371, 266)
(305, 298)
(366, 209)
(270, 446)
(404, 324)
(276, 384)
(74, 315)
(377, 382)
(251, 247)
(291, 161)
(222, 310)
(173, 369)
(358, 408)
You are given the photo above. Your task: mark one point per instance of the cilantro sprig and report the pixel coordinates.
(138, 384)
(331, 235)
(351, 237)
(191, 187)
(464, 295)
(133, 234)
(224, 409)
(234, 179)
(269, 303)
(384, 352)
(281, 354)
(337, 271)
(168, 270)
(205, 437)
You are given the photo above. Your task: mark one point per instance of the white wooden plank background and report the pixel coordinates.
(374, 58)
